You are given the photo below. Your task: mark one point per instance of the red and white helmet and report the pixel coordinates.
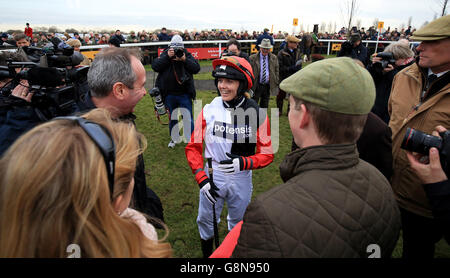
(236, 68)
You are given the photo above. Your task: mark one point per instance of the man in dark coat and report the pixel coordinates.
(332, 203)
(290, 61)
(355, 49)
(176, 67)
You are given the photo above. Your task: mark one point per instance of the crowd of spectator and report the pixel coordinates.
(95, 38)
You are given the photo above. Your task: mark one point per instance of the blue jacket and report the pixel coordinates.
(264, 35)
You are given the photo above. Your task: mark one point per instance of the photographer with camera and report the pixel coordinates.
(420, 99)
(385, 65)
(234, 49)
(354, 48)
(435, 180)
(175, 81)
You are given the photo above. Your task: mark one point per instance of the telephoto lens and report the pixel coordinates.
(419, 142)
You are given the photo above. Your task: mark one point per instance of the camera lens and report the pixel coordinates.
(419, 142)
(179, 52)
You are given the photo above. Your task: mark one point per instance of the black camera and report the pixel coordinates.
(56, 91)
(159, 105)
(387, 58)
(420, 142)
(229, 53)
(179, 52)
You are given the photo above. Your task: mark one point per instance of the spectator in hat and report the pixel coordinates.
(266, 70)
(264, 35)
(332, 204)
(175, 68)
(290, 61)
(420, 99)
(353, 48)
(132, 38)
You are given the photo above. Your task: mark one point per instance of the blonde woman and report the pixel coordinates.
(55, 190)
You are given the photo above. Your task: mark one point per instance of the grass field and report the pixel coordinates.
(171, 178)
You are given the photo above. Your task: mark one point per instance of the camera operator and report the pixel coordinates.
(435, 183)
(420, 99)
(175, 68)
(234, 49)
(14, 121)
(383, 71)
(355, 49)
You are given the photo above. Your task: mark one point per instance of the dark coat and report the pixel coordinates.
(375, 145)
(166, 74)
(332, 204)
(383, 84)
(439, 196)
(286, 61)
(360, 52)
(264, 35)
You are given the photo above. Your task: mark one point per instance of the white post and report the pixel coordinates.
(378, 39)
(328, 50)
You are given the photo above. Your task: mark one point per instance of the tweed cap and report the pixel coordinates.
(335, 84)
(436, 30)
(292, 39)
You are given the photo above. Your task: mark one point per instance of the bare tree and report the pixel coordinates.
(322, 27)
(53, 29)
(358, 23)
(375, 23)
(349, 9)
(443, 5)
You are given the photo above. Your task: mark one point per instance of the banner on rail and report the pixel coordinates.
(200, 53)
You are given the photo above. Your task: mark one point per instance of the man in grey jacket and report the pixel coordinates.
(332, 204)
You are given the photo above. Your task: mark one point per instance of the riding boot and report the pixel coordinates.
(207, 246)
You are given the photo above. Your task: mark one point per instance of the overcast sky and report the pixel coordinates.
(207, 14)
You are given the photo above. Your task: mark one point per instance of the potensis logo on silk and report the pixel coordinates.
(225, 130)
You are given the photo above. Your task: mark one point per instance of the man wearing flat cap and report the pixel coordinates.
(332, 204)
(290, 61)
(420, 99)
(265, 68)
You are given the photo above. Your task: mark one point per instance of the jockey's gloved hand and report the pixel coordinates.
(233, 165)
(207, 187)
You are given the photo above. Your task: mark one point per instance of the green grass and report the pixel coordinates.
(171, 178)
